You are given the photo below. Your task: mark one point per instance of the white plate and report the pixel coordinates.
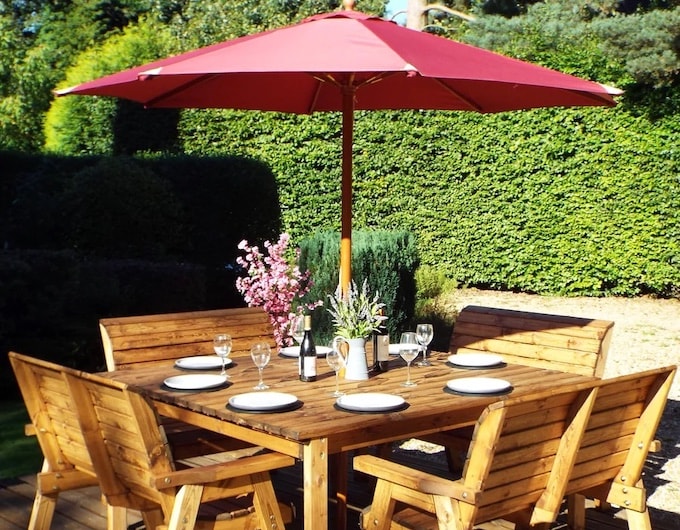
(370, 402)
(478, 385)
(262, 400)
(294, 351)
(475, 360)
(394, 349)
(195, 381)
(201, 362)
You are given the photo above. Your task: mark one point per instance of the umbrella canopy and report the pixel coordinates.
(346, 61)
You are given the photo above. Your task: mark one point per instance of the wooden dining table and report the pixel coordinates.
(315, 428)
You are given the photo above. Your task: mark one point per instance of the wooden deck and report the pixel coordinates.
(83, 510)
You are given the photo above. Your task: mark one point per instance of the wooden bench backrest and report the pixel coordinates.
(53, 416)
(134, 340)
(557, 342)
(522, 450)
(622, 425)
(527, 446)
(135, 468)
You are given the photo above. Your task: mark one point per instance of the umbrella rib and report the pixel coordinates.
(159, 99)
(458, 95)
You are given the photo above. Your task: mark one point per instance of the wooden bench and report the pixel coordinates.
(141, 340)
(128, 450)
(619, 435)
(556, 342)
(520, 455)
(67, 464)
(147, 339)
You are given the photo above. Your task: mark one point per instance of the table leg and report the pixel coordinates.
(315, 482)
(339, 478)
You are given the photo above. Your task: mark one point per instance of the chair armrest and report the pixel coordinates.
(222, 471)
(415, 479)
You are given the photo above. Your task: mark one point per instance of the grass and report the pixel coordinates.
(19, 454)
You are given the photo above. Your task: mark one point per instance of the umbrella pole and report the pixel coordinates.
(346, 228)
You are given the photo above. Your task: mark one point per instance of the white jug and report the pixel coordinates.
(356, 366)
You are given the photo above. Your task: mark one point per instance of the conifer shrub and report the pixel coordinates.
(386, 259)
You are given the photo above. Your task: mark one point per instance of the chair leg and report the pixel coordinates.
(266, 505)
(379, 517)
(638, 520)
(42, 512)
(43, 506)
(185, 510)
(576, 512)
(116, 518)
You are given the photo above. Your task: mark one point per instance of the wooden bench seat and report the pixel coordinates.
(557, 342)
(140, 340)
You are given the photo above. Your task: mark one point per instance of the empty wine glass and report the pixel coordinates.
(222, 347)
(261, 353)
(424, 333)
(297, 328)
(408, 349)
(336, 361)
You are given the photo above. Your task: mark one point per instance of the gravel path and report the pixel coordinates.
(646, 335)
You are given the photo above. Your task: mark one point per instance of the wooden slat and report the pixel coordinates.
(147, 339)
(566, 343)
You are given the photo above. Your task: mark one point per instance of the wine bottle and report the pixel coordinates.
(381, 347)
(307, 360)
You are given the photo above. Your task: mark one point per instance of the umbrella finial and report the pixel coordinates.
(348, 5)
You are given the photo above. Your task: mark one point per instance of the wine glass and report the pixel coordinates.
(297, 328)
(409, 347)
(336, 361)
(424, 333)
(260, 353)
(222, 347)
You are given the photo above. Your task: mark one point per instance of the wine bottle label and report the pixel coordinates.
(383, 353)
(309, 366)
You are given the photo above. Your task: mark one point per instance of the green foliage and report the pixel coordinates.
(101, 125)
(137, 214)
(387, 260)
(647, 44)
(432, 284)
(20, 455)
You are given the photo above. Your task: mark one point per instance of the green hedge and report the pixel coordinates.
(387, 260)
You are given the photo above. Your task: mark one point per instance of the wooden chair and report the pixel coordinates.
(67, 465)
(142, 340)
(136, 470)
(610, 462)
(521, 452)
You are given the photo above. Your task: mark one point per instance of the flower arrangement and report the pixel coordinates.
(274, 284)
(355, 315)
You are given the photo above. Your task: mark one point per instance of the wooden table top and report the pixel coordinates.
(431, 407)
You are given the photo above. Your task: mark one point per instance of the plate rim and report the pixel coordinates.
(292, 399)
(370, 409)
(218, 361)
(507, 385)
(219, 380)
(497, 359)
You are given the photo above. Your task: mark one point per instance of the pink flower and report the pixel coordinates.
(274, 284)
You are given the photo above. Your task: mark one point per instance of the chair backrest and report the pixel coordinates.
(128, 448)
(622, 425)
(521, 451)
(53, 416)
(557, 342)
(139, 340)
